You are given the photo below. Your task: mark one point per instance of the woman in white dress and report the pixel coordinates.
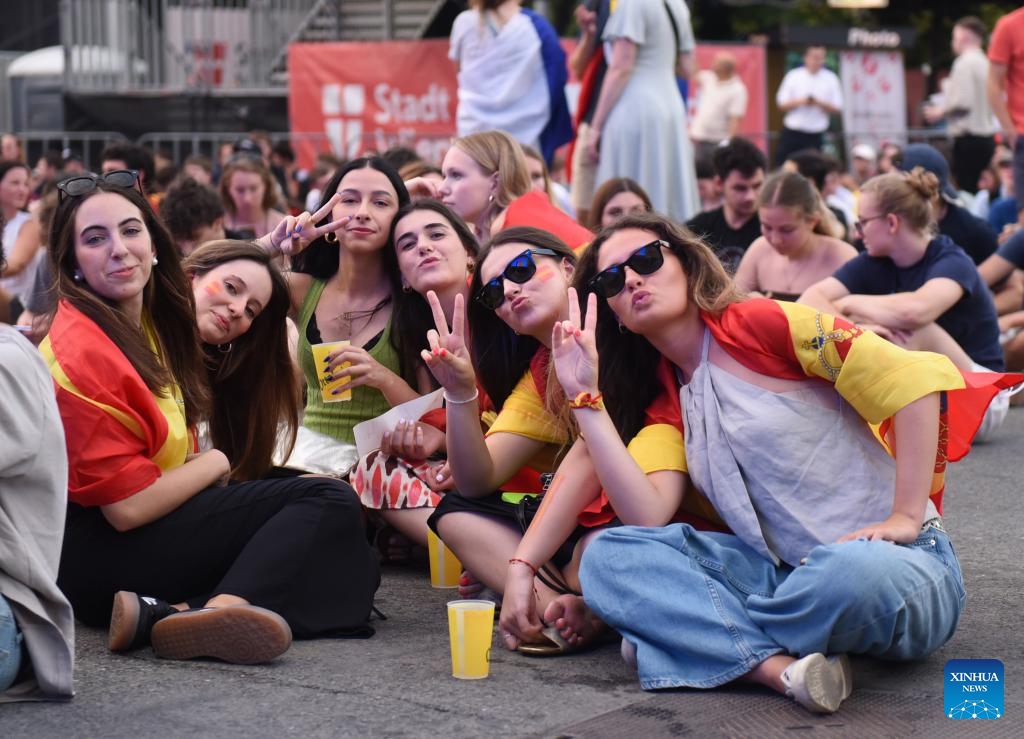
(639, 126)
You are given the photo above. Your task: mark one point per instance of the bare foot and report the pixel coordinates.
(577, 624)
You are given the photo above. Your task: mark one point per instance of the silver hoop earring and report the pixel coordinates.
(225, 348)
(78, 276)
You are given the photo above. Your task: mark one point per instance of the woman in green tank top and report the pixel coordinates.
(342, 287)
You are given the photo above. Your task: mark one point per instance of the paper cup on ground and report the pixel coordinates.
(320, 353)
(471, 629)
(445, 568)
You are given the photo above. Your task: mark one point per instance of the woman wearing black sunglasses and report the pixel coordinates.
(516, 296)
(225, 570)
(837, 545)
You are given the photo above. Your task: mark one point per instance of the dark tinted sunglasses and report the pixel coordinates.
(519, 270)
(84, 184)
(644, 261)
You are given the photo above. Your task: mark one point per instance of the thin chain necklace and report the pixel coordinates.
(348, 318)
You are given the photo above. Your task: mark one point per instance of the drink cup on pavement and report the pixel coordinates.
(471, 629)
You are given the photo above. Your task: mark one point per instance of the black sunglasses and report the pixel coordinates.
(73, 187)
(644, 261)
(519, 270)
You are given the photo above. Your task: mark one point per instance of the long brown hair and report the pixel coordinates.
(252, 166)
(411, 318)
(168, 306)
(628, 360)
(500, 355)
(255, 388)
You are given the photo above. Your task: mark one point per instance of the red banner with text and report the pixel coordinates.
(349, 98)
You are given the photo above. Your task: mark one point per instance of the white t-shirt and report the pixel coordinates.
(718, 101)
(798, 83)
(19, 285)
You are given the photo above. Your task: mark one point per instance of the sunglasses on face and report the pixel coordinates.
(519, 270)
(644, 261)
(74, 187)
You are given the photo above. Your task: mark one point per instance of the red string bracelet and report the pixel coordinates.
(517, 560)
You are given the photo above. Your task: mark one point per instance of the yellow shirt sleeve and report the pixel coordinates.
(873, 375)
(659, 447)
(524, 414)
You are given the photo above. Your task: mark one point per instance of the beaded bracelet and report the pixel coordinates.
(517, 560)
(586, 400)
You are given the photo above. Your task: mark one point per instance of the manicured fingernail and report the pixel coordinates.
(439, 477)
(328, 377)
(444, 352)
(297, 229)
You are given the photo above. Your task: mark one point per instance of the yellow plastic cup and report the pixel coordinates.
(320, 352)
(445, 568)
(471, 629)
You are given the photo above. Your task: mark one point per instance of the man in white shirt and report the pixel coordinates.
(966, 109)
(808, 96)
(721, 105)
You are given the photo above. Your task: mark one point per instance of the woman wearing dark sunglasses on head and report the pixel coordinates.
(223, 570)
(836, 545)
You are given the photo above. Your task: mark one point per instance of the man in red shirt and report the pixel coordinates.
(1006, 89)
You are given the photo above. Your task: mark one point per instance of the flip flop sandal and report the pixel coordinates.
(556, 645)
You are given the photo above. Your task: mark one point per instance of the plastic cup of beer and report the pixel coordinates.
(445, 568)
(471, 629)
(327, 383)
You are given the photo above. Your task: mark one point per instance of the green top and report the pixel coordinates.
(337, 419)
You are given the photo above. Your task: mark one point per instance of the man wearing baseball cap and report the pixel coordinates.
(973, 234)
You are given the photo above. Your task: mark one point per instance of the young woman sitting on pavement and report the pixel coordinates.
(226, 570)
(518, 293)
(837, 546)
(407, 477)
(913, 287)
(241, 302)
(797, 247)
(487, 182)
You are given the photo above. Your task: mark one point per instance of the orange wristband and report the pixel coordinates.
(586, 400)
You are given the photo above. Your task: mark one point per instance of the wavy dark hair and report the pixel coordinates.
(254, 386)
(500, 355)
(321, 258)
(168, 306)
(628, 360)
(411, 318)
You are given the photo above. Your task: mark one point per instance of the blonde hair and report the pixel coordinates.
(910, 195)
(793, 190)
(495, 152)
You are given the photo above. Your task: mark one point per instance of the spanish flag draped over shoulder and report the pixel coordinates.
(120, 436)
(877, 378)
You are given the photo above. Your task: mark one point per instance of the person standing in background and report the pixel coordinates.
(808, 96)
(1006, 89)
(966, 109)
(721, 105)
(638, 128)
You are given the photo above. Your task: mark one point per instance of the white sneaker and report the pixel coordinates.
(819, 683)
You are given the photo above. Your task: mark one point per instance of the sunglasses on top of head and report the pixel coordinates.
(519, 270)
(644, 261)
(84, 184)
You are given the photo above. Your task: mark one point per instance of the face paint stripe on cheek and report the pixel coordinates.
(213, 288)
(545, 273)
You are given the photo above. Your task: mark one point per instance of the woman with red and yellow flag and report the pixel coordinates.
(230, 571)
(821, 446)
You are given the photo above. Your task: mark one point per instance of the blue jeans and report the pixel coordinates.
(703, 608)
(10, 646)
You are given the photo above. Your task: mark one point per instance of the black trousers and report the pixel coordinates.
(971, 155)
(791, 141)
(295, 546)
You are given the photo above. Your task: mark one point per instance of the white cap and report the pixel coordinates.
(863, 151)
